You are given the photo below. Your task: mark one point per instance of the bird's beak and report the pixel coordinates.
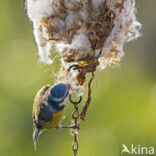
(36, 134)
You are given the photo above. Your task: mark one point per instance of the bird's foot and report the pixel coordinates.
(76, 126)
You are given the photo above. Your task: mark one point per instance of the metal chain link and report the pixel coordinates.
(75, 116)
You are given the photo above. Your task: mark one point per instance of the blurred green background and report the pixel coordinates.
(123, 107)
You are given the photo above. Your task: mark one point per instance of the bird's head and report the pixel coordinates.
(58, 96)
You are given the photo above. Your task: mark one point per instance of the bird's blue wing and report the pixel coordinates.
(45, 115)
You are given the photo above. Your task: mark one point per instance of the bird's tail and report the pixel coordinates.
(36, 134)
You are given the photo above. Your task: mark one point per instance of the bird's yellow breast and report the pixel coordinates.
(57, 117)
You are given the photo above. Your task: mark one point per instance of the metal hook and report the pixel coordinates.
(75, 67)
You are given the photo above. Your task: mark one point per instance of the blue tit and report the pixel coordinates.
(48, 108)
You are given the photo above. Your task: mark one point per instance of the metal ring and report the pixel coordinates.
(75, 102)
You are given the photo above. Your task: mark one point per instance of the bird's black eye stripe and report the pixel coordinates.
(62, 98)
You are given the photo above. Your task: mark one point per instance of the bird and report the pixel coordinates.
(48, 108)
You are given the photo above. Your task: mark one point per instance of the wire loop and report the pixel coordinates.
(75, 102)
(75, 116)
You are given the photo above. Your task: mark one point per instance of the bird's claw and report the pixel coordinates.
(76, 126)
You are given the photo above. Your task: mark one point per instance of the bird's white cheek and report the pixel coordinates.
(64, 102)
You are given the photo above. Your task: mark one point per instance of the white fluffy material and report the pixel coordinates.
(39, 8)
(125, 29)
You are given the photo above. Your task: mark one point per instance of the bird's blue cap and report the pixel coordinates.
(59, 92)
(57, 95)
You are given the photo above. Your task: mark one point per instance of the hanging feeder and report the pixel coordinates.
(87, 35)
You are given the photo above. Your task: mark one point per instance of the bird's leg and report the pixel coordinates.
(76, 126)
